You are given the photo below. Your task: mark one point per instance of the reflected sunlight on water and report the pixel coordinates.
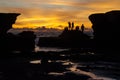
(106, 78)
(72, 68)
(78, 71)
(47, 49)
(36, 62)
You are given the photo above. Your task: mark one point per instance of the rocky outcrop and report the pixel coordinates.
(68, 38)
(9, 43)
(106, 30)
(6, 21)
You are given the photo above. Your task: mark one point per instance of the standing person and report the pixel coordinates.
(82, 28)
(72, 25)
(69, 25)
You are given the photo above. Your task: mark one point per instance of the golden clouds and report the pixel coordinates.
(55, 13)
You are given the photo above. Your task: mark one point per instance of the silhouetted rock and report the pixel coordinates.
(6, 21)
(22, 42)
(68, 38)
(106, 31)
(26, 41)
(73, 35)
(74, 38)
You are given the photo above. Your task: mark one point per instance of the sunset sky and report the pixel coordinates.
(55, 13)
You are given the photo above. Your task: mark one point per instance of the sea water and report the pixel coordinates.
(96, 74)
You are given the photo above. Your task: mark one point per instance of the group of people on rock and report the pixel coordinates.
(71, 27)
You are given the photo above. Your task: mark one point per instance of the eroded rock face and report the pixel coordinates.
(106, 30)
(6, 21)
(9, 43)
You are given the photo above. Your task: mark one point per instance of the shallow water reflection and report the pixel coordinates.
(77, 68)
(47, 49)
(36, 62)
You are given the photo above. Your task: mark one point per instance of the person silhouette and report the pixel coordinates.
(77, 28)
(69, 25)
(82, 28)
(72, 25)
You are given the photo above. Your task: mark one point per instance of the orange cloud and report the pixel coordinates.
(55, 13)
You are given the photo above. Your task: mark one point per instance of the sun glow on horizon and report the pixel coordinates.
(48, 22)
(55, 13)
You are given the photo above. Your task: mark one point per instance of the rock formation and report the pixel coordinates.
(6, 21)
(23, 42)
(106, 30)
